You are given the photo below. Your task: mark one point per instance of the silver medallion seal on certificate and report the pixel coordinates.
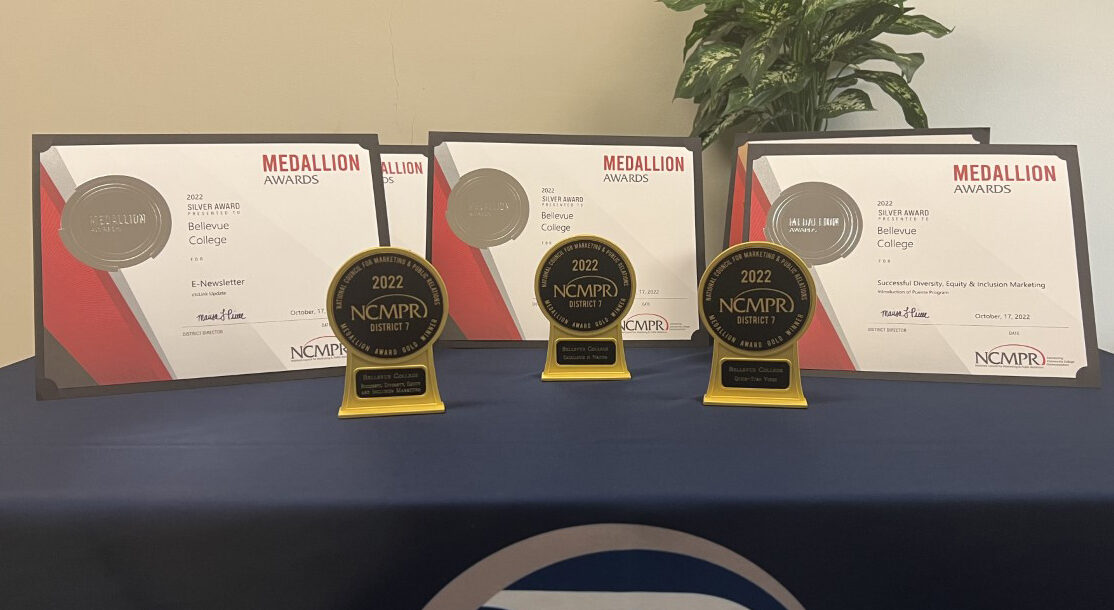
(113, 222)
(487, 207)
(387, 306)
(818, 221)
(756, 299)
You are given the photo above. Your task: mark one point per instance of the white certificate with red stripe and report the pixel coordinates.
(500, 201)
(165, 261)
(405, 184)
(953, 262)
(737, 227)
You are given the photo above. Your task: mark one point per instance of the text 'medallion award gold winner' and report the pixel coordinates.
(756, 299)
(585, 285)
(387, 306)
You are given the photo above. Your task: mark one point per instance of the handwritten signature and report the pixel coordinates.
(908, 312)
(223, 315)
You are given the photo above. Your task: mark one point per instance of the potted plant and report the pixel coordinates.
(790, 65)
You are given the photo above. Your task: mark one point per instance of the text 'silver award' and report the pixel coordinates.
(585, 285)
(756, 299)
(387, 306)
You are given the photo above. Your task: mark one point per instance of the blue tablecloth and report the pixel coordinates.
(880, 495)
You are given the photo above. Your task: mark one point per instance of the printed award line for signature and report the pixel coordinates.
(978, 325)
(256, 322)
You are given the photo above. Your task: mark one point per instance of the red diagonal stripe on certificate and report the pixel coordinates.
(475, 303)
(84, 311)
(735, 235)
(759, 210)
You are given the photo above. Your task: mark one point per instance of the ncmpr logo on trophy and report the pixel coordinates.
(585, 286)
(387, 306)
(756, 299)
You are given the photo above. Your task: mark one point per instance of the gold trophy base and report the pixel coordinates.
(780, 370)
(364, 378)
(607, 341)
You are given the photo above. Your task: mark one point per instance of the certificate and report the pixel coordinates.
(738, 229)
(963, 263)
(500, 201)
(164, 261)
(405, 184)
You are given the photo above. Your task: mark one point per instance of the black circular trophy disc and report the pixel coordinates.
(114, 222)
(756, 297)
(387, 304)
(585, 284)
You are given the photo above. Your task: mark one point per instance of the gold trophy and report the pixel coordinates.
(387, 306)
(585, 285)
(756, 299)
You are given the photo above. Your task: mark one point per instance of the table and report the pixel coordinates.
(881, 494)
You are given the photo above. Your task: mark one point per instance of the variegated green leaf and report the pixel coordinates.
(760, 51)
(702, 28)
(848, 100)
(792, 76)
(769, 12)
(789, 78)
(908, 62)
(831, 5)
(918, 24)
(784, 7)
(746, 121)
(896, 87)
(724, 5)
(838, 16)
(682, 5)
(746, 99)
(721, 26)
(839, 82)
(820, 8)
(750, 63)
(864, 25)
(709, 112)
(707, 69)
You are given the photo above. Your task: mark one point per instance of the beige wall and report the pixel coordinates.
(403, 67)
